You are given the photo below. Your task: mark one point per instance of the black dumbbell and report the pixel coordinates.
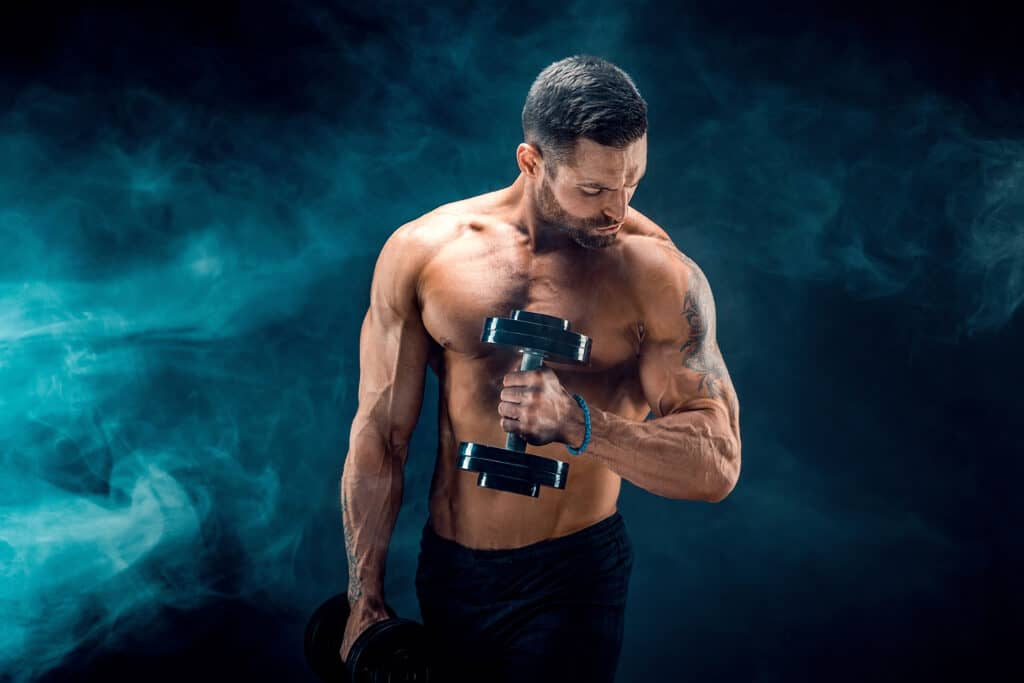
(394, 650)
(536, 336)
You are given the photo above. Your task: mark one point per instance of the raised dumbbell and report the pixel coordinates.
(394, 650)
(536, 336)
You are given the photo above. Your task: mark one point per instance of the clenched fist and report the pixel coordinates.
(362, 616)
(536, 406)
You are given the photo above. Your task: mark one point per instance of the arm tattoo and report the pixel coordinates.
(355, 586)
(698, 354)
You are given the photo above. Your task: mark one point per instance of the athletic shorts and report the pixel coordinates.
(550, 611)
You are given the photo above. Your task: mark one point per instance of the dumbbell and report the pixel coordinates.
(393, 651)
(536, 336)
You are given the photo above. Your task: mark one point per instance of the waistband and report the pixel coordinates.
(595, 535)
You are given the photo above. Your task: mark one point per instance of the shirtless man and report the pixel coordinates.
(522, 588)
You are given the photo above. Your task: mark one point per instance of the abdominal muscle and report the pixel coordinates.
(483, 518)
(478, 517)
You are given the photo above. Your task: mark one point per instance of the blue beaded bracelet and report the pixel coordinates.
(586, 432)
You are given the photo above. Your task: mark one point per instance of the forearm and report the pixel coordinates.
(689, 455)
(371, 495)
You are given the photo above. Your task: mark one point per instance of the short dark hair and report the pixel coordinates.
(582, 97)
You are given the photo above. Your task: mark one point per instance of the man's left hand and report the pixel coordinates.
(536, 406)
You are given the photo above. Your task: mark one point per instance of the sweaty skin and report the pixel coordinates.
(647, 307)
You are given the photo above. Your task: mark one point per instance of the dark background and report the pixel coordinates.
(192, 196)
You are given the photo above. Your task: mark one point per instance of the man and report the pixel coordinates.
(520, 588)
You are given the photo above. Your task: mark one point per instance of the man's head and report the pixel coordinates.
(584, 125)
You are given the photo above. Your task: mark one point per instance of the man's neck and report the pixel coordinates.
(543, 236)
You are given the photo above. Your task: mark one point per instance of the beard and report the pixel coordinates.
(579, 230)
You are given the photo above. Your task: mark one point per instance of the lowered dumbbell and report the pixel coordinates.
(392, 651)
(536, 336)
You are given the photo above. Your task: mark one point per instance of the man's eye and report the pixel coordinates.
(591, 194)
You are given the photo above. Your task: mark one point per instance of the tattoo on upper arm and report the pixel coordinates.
(699, 352)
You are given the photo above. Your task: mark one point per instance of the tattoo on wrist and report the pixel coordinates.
(355, 586)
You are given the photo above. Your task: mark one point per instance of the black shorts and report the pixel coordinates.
(550, 611)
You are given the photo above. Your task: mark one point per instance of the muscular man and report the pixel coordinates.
(520, 588)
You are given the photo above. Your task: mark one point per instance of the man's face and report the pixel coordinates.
(587, 199)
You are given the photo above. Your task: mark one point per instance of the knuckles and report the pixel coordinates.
(526, 401)
(529, 378)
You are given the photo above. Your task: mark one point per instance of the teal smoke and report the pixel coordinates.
(181, 286)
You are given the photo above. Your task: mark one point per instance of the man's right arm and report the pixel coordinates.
(393, 347)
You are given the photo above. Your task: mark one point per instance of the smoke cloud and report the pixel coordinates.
(183, 274)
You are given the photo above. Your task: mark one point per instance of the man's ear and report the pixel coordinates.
(529, 160)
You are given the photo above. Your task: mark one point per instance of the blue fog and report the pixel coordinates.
(185, 256)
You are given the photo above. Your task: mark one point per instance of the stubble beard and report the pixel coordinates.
(579, 230)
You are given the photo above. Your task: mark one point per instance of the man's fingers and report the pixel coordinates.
(522, 379)
(516, 394)
(509, 410)
(514, 379)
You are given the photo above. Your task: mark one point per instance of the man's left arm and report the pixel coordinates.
(691, 447)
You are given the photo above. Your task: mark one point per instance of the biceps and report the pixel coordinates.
(393, 352)
(692, 376)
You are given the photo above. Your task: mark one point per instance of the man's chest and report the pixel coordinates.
(456, 298)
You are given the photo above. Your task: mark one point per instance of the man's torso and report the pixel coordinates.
(483, 267)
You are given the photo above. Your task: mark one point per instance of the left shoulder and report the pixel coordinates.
(665, 279)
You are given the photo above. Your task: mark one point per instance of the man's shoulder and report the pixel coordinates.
(667, 282)
(409, 251)
(427, 232)
(653, 257)
(441, 226)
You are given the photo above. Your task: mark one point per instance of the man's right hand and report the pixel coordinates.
(363, 615)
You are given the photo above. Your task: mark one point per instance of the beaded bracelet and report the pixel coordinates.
(586, 422)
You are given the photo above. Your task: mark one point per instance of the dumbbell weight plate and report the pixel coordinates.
(509, 484)
(324, 633)
(503, 462)
(539, 333)
(401, 638)
(395, 651)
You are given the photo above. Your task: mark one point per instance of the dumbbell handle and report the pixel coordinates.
(531, 361)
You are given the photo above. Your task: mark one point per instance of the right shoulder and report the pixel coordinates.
(424, 236)
(410, 248)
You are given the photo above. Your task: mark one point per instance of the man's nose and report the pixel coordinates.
(616, 208)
